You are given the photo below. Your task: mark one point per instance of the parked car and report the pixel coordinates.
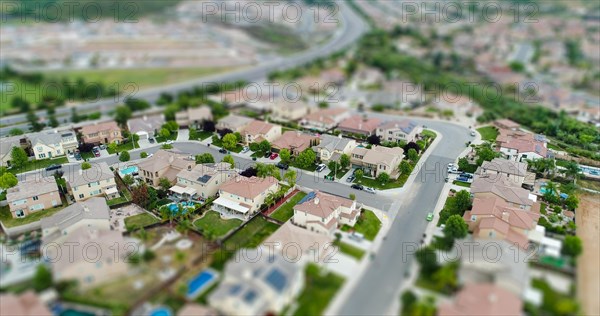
(77, 156)
(320, 168)
(151, 140)
(282, 166)
(223, 150)
(473, 133)
(96, 153)
(429, 217)
(53, 167)
(466, 175)
(267, 154)
(357, 186)
(170, 142)
(274, 156)
(245, 149)
(356, 236)
(103, 147)
(350, 178)
(370, 190)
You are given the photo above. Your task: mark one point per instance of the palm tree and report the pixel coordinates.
(184, 226)
(572, 171)
(270, 199)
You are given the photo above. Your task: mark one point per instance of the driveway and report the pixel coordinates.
(145, 143)
(183, 135)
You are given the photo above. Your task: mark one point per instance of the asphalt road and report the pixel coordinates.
(351, 30)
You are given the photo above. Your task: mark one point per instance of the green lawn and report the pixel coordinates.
(200, 135)
(286, 211)
(115, 201)
(462, 184)
(350, 250)
(339, 174)
(9, 221)
(373, 183)
(319, 290)
(123, 146)
(368, 224)
(488, 133)
(39, 164)
(213, 226)
(138, 221)
(160, 139)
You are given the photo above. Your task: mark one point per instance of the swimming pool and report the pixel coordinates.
(186, 205)
(201, 282)
(161, 311)
(128, 170)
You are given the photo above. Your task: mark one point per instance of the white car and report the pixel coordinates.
(370, 190)
(149, 155)
(170, 142)
(473, 133)
(320, 167)
(245, 149)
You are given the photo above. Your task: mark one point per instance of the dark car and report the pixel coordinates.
(53, 167)
(282, 166)
(466, 175)
(357, 186)
(267, 154)
(223, 150)
(78, 156)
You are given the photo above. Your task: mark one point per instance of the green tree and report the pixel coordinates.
(124, 156)
(166, 146)
(205, 158)
(164, 133)
(172, 126)
(352, 196)
(113, 147)
(264, 170)
(264, 146)
(290, 177)
(572, 202)
(15, 132)
(128, 180)
(229, 159)
(485, 153)
(344, 161)
(572, 246)
(42, 279)
(18, 157)
(455, 228)
(572, 171)
(383, 178)
(323, 105)
(122, 114)
(164, 184)
(427, 260)
(238, 136)
(463, 200)
(85, 165)
(445, 278)
(306, 159)
(8, 180)
(412, 155)
(143, 154)
(359, 174)
(229, 141)
(405, 167)
(285, 155)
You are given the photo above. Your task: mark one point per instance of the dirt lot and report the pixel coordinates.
(588, 274)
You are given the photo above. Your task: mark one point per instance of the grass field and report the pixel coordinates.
(138, 221)
(286, 211)
(213, 226)
(488, 133)
(368, 224)
(319, 289)
(350, 250)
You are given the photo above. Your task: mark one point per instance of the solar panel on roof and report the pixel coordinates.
(205, 178)
(276, 279)
(235, 289)
(308, 197)
(250, 296)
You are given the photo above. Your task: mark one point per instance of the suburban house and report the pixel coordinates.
(285, 111)
(50, 144)
(262, 287)
(295, 141)
(165, 164)
(33, 195)
(90, 214)
(101, 133)
(234, 123)
(323, 213)
(25, 304)
(507, 124)
(325, 119)
(96, 181)
(203, 180)
(498, 168)
(146, 126)
(396, 131)
(368, 77)
(378, 159)
(6, 146)
(492, 217)
(257, 131)
(358, 124)
(242, 197)
(519, 146)
(460, 105)
(515, 196)
(334, 76)
(332, 147)
(307, 244)
(193, 117)
(482, 299)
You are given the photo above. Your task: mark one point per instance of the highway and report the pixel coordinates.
(352, 28)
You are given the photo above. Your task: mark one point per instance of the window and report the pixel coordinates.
(81, 196)
(473, 218)
(20, 213)
(35, 198)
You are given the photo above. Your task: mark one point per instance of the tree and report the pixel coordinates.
(374, 140)
(238, 136)
(166, 146)
(122, 114)
(572, 171)
(352, 196)
(8, 180)
(140, 195)
(172, 126)
(485, 153)
(412, 155)
(164, 183)
(405, 167)
(383, 178)
(427, 260)
(344, 161)
(229, 141)
(143, 154)
(455, 228)
(445, 278)
(164, 132)
(572, 246)
(205, 158)
(306, 159)
(463, 200)
(15, 132)
(128, 180)
(264, 170)
(42, 278)
(113, 147)
(264, 146)
(359, 174)
(184, 226)
(229, 159)
(290, 177)
(285, 156)
(86, 165)
(208, 126)
(124, 156)
(52, 121)
(572, 202)
(412, 145)
(18, 157)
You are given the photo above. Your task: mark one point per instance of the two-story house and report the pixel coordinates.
(324, 119)
(242, 197)
(295, 141)
(203, 180)
(50, 144)
(98, 180)
(331, 148)
(517, 197)
(285, 111)
(399, 131)
(257, 131)
(498, 168)
(235, 123)
(378, 159)
(101, 133)
(146, 126)
(520, 146)
(323, 213)
(33, 195)
(6, 146)
(194, 117)
(358, 124)
(165, 164)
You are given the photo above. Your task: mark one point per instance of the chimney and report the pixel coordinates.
(316, 201)
(505, 216)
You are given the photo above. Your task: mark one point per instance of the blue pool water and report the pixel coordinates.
(129, 170)
(174, 208)
(200, 283)
(161, 311)
(543, 190)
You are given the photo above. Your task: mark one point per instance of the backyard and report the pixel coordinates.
(319, 289)
(286, 211)
(368, 224)
(212, 226)
(138, 221)
(488, 133)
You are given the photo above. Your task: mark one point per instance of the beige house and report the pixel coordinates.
(52, 144)
(146, 126)
(6, 146)
(396, 131)
(502, 169)
(323, 213)
(203, 181)
(324, 119)
(294, 141)
(285, 111)
(378, 159)
(358, 124)
(165, 164)
(257, 131)
(233, 122)
(332, 147)
(101, 133)
(517, 197)
(193, 117)
(33, 195)
(242, 197)
(24, 304)
(482, 299)
(99, 180)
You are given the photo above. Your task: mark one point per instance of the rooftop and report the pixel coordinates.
(145, 123)
(360, 123)
(99, 127)
(482, 299)
(32, 186)
(322, 204)
(506, 166)
(92, 208)
(257, 127)
(76, 176)
(248, 187)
